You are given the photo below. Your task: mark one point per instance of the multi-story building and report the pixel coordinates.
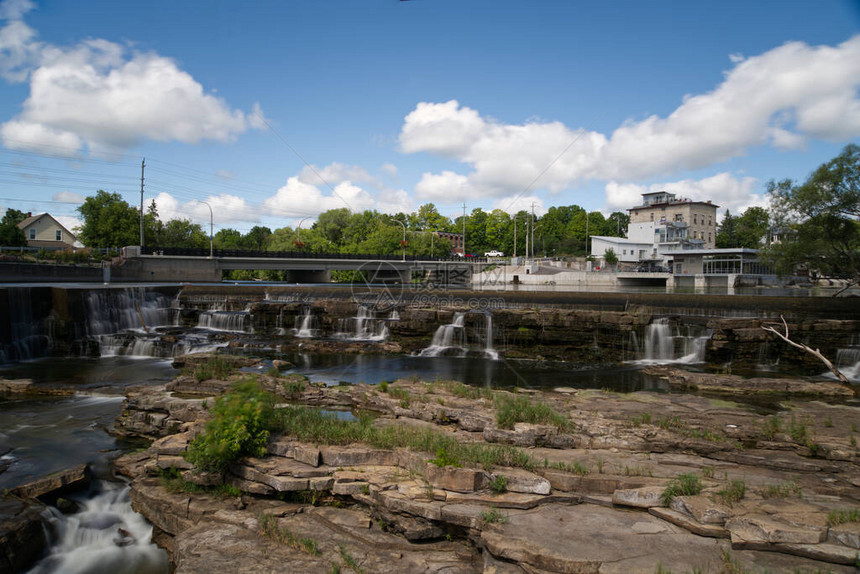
(662, 225)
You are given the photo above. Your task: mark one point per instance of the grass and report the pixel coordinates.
(681, 485)
(798, 431)
(772, 426)
(642, 419)
(270, 529)
(520, 409)
(636, 471)
(463, 391)
(733, 492)
(172, 482)
(493, 516)
(575, 467)
(293, 388)
(348, 560)
(671, 423)
(787, 489)
(499, 484)
(708, 471)
(837, 517)
(311, 425)
(215, 367)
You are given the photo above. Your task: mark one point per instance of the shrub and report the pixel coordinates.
(836, 517)
(494, 516)
(215, 367)
(788, 489)
(240, 426)
(733, 493)
(499, 484)
(681, 485)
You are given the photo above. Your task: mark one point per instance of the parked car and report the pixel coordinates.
(494, 253)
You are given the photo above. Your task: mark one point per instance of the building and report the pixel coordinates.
(46, 232)
(659, 228)
(456, 240)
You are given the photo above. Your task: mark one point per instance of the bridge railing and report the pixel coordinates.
(250, 253)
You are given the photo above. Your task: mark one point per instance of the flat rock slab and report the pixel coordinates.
(588, 538)
(56, 483)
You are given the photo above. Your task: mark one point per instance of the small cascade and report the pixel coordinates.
(848, 359)
(679, 344)
(113, 310)
(363, 327)
(232, 321)
(765, 361)
(29, 337)
(306, 325)
(394, 315)
(489, 351)
(105, 536)
(448, 340)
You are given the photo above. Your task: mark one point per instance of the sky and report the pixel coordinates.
(274, 111)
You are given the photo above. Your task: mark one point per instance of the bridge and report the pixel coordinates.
(180, 264)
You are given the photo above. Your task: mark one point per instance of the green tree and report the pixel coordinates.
(752, 227)
(610, 257)
(108, 221)
(616, 224)
(228, 239)
(182, 233)
(819, 220)
(727, 232)
(10, 234)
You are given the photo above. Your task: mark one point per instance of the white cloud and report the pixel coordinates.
(390, 170)
(781, 98)
(68, 197)
(736, 58)
(514, 205)
(69, 222)
(335, 173)
(97, 94)
(224, 174)
(297, 198)
(723, 189)
(395, 201)
(226, 210)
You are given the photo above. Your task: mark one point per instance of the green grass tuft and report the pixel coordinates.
(681, 485)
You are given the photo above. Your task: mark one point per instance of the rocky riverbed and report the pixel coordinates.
(775, 487)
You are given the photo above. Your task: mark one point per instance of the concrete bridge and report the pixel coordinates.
(196, 265)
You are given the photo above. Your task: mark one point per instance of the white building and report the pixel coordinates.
(659, 228)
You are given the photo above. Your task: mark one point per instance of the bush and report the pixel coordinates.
(242, 419)
(519, 409)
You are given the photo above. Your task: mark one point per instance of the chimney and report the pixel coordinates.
(29, 214)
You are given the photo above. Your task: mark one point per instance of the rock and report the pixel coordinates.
(645, 497)
(22, 534)
(758, 528)
(456, 479)
(704, 510)
(686, 522)
(307, 455)
(517, 480)
(846, 534)
(56, 483)
(67, 506)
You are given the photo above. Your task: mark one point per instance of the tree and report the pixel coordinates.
(610, 257)
(727, 232)
(819, 220)
(752, 228)
(109, 221)
(10, 234)
(182, 233)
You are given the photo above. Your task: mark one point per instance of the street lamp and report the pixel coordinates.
(211, 226)
(403, 243)
(298, 242)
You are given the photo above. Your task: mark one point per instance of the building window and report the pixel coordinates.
(695, 222)
(32, 233)
(59, 235)
(709, 237)
(625, 252)
(652, 217)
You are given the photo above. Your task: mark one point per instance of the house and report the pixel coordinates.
(44, 231)
(659, 228)
(456, 240)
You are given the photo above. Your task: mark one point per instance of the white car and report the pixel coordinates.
(494, 253)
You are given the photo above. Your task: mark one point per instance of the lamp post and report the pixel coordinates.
(403, 243)
(298, 242)
(211, 227)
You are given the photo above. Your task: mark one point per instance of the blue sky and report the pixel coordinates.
(498, 104)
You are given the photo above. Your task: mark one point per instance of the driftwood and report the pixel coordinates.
(815, 352)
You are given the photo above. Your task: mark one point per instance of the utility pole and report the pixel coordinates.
(586, 234)
(464, 230)
(515, 235)
(533, 229)
(142, 166)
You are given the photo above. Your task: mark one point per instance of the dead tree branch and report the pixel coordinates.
(815, 352)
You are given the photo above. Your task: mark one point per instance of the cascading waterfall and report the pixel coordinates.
(363, 327)
(848, 359)
(489, 351)
(124, 321)
(28, 337)
(667, 344)
(305, 325)
(105, 536)
(451, 340)
(231, 321)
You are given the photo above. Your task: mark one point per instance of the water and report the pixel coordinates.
(332, 369)
(230, 321)
(363, 327)
(666, 344)
(106, 535)
(306, 325)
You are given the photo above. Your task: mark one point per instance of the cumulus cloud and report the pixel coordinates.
(226, 210)
(297, 198)
(100, 95)
(514, 205)
(69, 222)
(335, 173)
(66, 196)
(723, 189)
(780, 98)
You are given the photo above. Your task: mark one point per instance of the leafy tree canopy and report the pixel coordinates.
(10, 234)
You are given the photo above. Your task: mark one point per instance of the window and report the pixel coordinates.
(652, 217)
(625, 252)
(32, 233)
(59, 235)
(694, 219)
(709, 237)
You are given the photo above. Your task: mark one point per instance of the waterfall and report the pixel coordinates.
(363, 327)
(232, 321)
(489, 351)
(667, 344)
(105, 536)
(848, 359)
(114, 310)
(394, 315)
(448, 339)
(305, 325)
